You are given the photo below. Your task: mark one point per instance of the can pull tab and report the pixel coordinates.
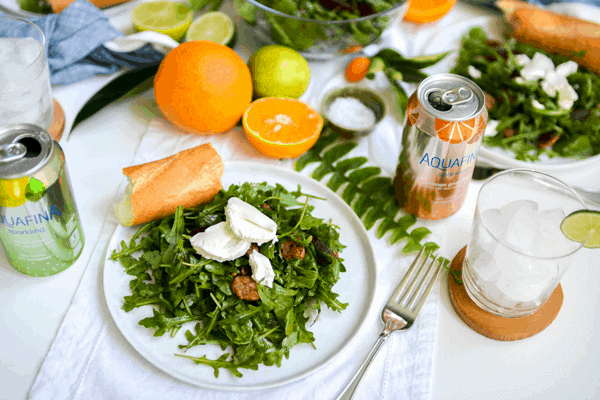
(457, 95)
(12, 152)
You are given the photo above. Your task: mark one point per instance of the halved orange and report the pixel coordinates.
(456, 131)
(282, 127)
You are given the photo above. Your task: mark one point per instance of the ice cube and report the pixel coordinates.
(492, 220)
(523, 229)
(550, 220)
(486, 268)
(7, 52)
(28, 50)
(552, 242)
(524, 278)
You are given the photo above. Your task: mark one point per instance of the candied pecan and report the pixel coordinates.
(490, 102)
(509, 132)
(291, 249)
(244, 287)
(197, 230)
(548, 139)
(245, 270)
(265, 206)
(253, 247)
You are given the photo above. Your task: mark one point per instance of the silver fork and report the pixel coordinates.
(401, 309)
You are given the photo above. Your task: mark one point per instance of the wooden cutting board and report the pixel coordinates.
(493, 326)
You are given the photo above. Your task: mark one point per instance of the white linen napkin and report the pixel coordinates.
(90, 358)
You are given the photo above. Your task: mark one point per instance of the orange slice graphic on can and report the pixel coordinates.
(480, 129)
(412, 110)
(456, 131)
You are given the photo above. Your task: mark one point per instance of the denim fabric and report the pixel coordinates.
(74, 44)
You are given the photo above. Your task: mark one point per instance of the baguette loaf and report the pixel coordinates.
(188, 178)
(553, 32)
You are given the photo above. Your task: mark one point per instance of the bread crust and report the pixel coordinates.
(188, 178)
(553, 32)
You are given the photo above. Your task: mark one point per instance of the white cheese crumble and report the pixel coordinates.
(490, 128)
(262, 270)
(351, 113)
(248, 223)
(474, 72)
(218, 243)
(553, 80)
(537, 104)
(522, 59)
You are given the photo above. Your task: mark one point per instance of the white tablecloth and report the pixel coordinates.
(554, 364)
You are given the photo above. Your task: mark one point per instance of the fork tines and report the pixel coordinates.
(420, 273)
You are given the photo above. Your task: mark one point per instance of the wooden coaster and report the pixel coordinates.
(493, 326)
(57, 126)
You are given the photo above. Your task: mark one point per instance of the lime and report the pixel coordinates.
(214, 26)
(163, 16)
(583, 227)
(278, 71)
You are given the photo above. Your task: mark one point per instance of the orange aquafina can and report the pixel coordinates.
(445, 120)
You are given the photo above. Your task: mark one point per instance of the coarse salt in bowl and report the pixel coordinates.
(353, 111)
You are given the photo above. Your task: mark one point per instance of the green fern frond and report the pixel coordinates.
(369, 194)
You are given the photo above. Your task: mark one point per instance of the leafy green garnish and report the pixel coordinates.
(185, 287)
(579, 128)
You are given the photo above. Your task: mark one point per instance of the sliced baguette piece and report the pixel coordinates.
(188, 178)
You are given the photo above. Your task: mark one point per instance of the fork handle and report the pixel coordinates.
(351, 386)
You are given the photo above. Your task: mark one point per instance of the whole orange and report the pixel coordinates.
(203, 87)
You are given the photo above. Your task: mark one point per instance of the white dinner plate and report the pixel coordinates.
(333, 331)
(450, 39)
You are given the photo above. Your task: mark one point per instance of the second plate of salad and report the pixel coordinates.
(579, 146)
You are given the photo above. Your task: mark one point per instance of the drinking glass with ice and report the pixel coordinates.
(518, 253)
(25, 92)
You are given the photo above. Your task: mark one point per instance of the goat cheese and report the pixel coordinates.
(262, 270)
(522, 59)
(537, 68)
(474, 72)
(249, 224)
(219, 243)
(537, 104)
(490, 128)
(554, 80)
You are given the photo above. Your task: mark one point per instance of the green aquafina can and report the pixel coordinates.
(40, 230)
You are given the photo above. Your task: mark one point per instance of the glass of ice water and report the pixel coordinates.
(518, 254)
(25, 92)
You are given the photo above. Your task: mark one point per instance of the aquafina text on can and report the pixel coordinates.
(40, 230)
(445, 121)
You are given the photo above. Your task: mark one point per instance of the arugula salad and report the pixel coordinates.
(301, 35)
(538, 111)
(183, 286)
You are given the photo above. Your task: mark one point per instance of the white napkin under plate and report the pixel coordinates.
(90, 358)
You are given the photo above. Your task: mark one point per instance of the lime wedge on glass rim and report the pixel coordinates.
(163, 16)
(214, 26)
(583, 227)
